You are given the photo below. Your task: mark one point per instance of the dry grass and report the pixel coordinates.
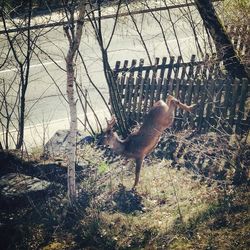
(170, 199)
(171, 209)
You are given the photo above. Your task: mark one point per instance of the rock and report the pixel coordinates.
(59, 142)
(16, 188)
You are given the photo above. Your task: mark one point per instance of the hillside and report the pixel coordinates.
(188, 198)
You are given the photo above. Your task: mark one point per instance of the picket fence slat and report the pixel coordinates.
(232, 109)
(243, 97)
(211, 87)
(123, 77)
(147, 82)
(165, 89)
(131, 89)
(140, 99)
(137, 87)
(226, 101)
(218, 95)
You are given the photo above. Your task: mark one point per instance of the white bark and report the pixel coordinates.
(73, 129)
(74, 42)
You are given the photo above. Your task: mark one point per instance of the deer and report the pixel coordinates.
(142, 141)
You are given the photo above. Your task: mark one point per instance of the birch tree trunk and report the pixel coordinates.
(73, 127)
(74, 38)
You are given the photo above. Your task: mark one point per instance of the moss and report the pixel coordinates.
(55, 246)
(180, 243)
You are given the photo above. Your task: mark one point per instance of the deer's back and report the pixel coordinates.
(160, 117)
(141, 144)
(143, 141)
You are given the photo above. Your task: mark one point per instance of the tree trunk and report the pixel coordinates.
(224, 46)
(74, 38)
(73, 127)
(21, 121)
(20, 128)
(24, 83)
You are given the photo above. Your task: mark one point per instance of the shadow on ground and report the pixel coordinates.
(125, 201)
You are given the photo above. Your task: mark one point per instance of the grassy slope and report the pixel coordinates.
(171, 209)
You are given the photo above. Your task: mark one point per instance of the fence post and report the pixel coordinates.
(115, 75)
(161, 79)
(243, 96)
(176, 79)
(169, 82)
(211, 87)
(138, 85)
(203, 91)
(220, 84)
(205, 66)
(130, 88)
(122, 78)
(153, 82)
(234, 97)
(116, 70)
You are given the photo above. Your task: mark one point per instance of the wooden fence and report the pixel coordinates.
(222, 101)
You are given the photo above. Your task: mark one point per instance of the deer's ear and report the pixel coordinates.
(111, 123)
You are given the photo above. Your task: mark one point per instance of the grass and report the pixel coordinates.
(170, 199)
(171, 209)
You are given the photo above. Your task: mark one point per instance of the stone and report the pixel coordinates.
(58, 144)
(15, 187)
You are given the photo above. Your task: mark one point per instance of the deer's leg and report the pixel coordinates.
(138, 162)
(180, 104)
(186, 107)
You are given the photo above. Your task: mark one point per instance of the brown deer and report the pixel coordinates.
(142, 141)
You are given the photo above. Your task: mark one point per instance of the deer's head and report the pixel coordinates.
(109, 136)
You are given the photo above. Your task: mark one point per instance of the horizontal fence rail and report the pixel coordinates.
(222, 101)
